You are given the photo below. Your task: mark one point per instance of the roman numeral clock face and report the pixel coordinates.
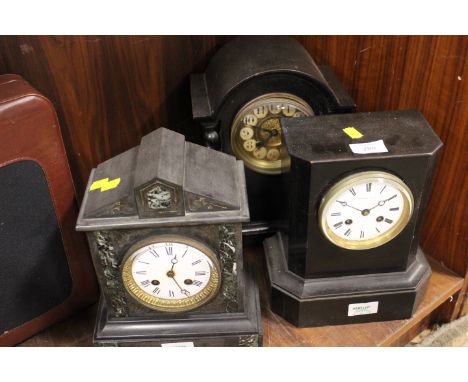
(171, 273)
(365, 210)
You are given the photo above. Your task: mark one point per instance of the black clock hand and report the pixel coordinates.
(273, 133)
(174, 261)
(345, 204)
(382, 202)
(182, 290)
(171, 275)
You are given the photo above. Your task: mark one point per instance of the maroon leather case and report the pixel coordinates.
(47, 272)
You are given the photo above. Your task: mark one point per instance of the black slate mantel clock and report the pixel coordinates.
(248, 85)
(358, 187)
(163, 221)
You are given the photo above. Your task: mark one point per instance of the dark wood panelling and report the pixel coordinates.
(429, 74)
(109, 91)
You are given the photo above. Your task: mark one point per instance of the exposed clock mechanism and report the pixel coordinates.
(256, 135)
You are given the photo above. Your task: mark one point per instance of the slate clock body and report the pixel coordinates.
(163, 221)
(354, 218)
(247, 87)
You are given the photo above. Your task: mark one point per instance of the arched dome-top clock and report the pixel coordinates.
(248, 86)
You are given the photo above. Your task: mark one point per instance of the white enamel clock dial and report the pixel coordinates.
(365, 210)
(171, 273)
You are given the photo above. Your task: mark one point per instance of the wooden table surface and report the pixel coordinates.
(78, 330)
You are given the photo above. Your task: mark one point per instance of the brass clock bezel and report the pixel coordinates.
(171, 305)
(345, 183)
(260, 165)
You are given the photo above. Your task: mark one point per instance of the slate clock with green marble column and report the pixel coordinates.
(163, 221)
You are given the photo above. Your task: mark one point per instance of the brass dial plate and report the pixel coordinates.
(171, 273)
(256, 135)
(365, 210)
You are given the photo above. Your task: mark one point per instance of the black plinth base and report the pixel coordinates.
(344, 299)
(226, 329)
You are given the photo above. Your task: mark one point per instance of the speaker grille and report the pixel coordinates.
(34, 273)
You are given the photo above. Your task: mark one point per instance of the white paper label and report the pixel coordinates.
(179, 344)
(363, 308)
(369, 147)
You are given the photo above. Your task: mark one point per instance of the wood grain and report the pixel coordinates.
(109, 91)
(429, 74)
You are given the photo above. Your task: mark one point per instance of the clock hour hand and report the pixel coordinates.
(171, 274)
(379, 204)
(273, 133)
(174, 261)
(345, 204)
(382, 202)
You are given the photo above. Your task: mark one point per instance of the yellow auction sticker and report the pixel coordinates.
(105, 184)
(353, 133)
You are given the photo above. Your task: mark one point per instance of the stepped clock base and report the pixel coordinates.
(343, 299)
(221, 329)
(253, 233)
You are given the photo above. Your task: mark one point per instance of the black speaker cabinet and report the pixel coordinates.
(45, 269)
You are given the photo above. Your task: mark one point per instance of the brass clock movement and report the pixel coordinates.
(358, 186)
(163, 221)
(248, 87)
(256, 135)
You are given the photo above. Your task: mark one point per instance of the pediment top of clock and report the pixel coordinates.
(166, 178)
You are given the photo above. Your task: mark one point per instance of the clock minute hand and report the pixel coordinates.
(184, 291)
